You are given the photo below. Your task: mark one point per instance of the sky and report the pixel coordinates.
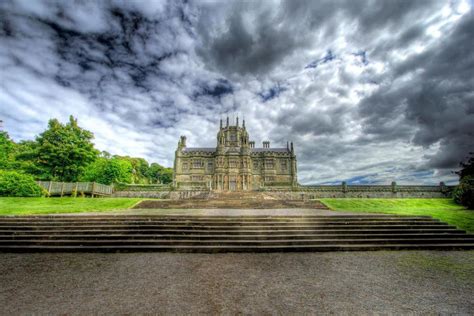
(368, 91)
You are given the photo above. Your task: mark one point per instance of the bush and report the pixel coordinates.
(464, 193)
(13, 183)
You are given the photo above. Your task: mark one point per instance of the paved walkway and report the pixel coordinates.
(397, 282)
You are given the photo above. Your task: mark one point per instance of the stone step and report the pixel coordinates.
(199, 217)
(220, 234)
(219, 243)
(217, 223)
(235, 232)
(99, 236)
(214, 249)
(229, 203)
(229, 227)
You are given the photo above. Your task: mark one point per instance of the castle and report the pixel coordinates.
(235, 164)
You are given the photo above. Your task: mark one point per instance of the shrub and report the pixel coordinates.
(464, 193)
(13, 183)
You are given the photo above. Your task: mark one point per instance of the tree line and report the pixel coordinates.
(65, 152)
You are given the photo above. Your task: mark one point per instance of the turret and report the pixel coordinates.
(182, 142)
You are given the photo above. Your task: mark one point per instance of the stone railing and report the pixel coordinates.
(71, 188)
(371, 191)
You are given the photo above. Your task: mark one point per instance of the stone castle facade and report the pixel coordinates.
(235, 164)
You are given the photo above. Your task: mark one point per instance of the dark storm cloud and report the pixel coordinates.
(437, 101)
(368, 90)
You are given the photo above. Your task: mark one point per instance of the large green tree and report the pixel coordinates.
(108, 171)
(64, 150)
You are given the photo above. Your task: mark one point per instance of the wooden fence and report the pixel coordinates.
(69, 188)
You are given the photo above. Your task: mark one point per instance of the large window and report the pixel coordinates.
(197, 164)
(185, 166)
(284, 165)
(269, 164)
(210, 165)
(232, 163)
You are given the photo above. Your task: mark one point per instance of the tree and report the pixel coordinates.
(7, 150)
(108, 171)
(139, 169)
(464, 193)
(154, 172)
(166, 175)
(63, 150)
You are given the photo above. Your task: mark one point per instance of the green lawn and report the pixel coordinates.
(28, 206)
(443, 209)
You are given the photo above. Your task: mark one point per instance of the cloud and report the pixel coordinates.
(369, 91)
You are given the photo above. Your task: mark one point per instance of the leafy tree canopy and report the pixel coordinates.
(64, 150)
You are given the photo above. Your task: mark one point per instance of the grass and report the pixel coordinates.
(30, 206)
(443, 209)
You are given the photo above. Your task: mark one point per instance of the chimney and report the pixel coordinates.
(252, 144)
(266, 144)
(221, 123)
(227, 121)
(292, 149)
(243, 123)
(237, 122)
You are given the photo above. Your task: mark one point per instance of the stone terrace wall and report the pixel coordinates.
(363, 191)
(300, 192)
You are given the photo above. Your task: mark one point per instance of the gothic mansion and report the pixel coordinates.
(235, 164)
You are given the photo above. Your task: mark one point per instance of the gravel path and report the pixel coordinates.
(282, 283)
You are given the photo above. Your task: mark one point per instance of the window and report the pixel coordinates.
(197, 164)
(232, 164)
(255, 164)
(269, 179)
(269, 164)
(210, 165)
(284, 165)
(185, 166)
(233, 137)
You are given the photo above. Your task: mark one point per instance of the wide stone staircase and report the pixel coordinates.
(232, 200)
(137, 233)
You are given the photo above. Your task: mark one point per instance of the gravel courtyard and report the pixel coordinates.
(282, 283)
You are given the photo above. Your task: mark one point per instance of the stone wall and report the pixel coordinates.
(364, 191)
(304, 192)
(142, 194)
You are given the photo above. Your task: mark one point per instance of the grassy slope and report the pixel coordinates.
(27, 206)
(443, 209)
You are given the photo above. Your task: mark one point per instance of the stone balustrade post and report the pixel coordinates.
(344, 186)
